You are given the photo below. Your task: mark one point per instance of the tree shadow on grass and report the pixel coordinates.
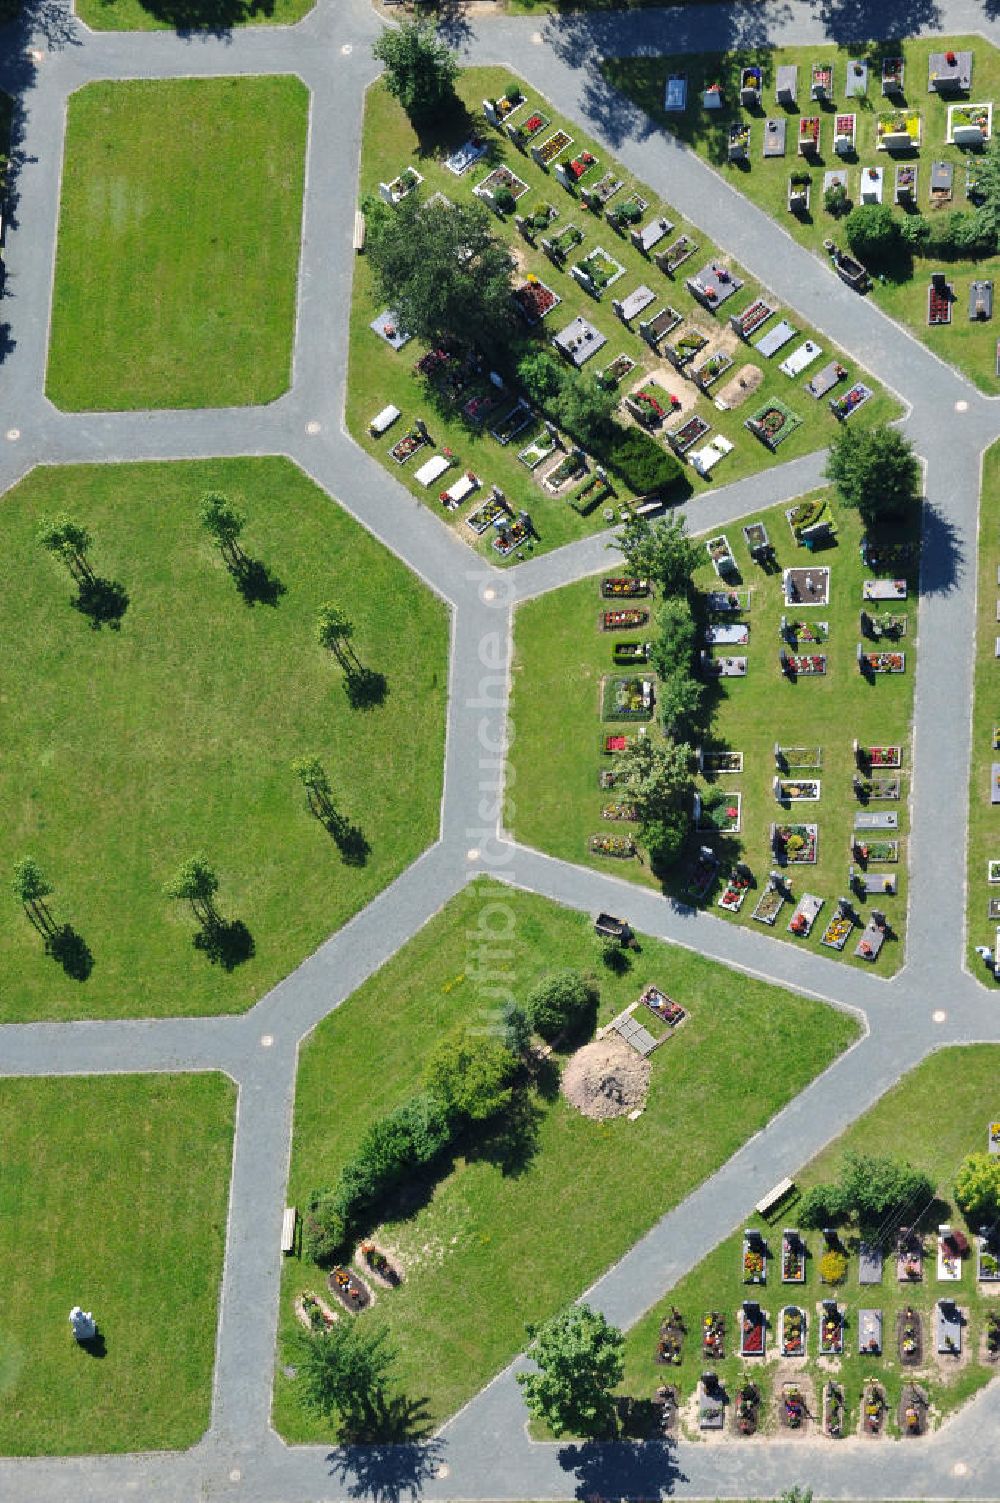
(394, 1473)
(605, 1469)
(365, 688)
(258, 584)
(71, 951)
(228, 944)
(349, 839)
(103, 602)
(216, 17)
(511, 1142)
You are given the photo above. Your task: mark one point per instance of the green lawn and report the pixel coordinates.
(561, 657)
(984, 845)
(189, 15)
(178, 244)
(487, 1250)
(379, 375)
(968, 345)
(113, 1196)
(933, 1118)
(127, 752)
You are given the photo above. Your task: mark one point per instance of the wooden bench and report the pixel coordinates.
(770, 1200)
(359, 231)
(648, 507)
(288, 1223)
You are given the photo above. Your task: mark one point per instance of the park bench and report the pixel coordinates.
(288, 1223)
(774, 1196)
(358, 243)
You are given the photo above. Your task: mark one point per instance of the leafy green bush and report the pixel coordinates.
(324, 1230)
(643, 464)
(505, 200)
(977, 1187)
(873, 234)
(472, 1076)
(833, 1267)
(562, 1002)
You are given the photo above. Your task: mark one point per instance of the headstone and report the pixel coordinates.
(489, 110)
(83, 1324)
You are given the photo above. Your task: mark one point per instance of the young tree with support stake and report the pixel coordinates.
(196, 882)
(31, 887)
(224, 524)
(68, 540)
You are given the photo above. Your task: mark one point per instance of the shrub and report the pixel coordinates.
(820, 1206)
(682, 704)
(392, 1147)
(915, 231)
(562, 1002)
(673, 648)
(977, 1187)
(324, 1230)
(836, 201)
(664, 838)
(873, 234)
(515, 1028)
(471, 1076)
(644, 466)
(512, 93)
(833, 1267)
(505, 200)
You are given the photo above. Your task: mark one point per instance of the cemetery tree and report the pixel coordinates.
(334, 631)
(420, 70)
(68, 541)
(875, 471)
(562, 1003)
(515, 1027)
(224, 524)
(444, 272)
(672, 650)
(324, 1228)
(659, 550)
(319, 795)
(584, 410)
(873, 1185)
(472, 1076)
(682, 704)
(657, 777)
(988, 182)
(541, 375)
(31, 887)
(196, 882)
(580, 1360)
(873, 234)
(345, 1371)
(977, 1187)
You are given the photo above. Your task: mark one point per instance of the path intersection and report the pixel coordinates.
(484, 1451)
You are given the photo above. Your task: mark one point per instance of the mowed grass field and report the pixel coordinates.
(189, 15)
(520, 1224)
(381, 375)
(561, 656)
(902, 292)
(934, 1117)
(113, 1195)
(127, 751)
(984, 816)
(178, 246)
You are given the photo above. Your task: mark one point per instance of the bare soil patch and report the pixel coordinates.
(606, 1079)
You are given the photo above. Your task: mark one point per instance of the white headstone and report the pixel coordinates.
(83, 1324)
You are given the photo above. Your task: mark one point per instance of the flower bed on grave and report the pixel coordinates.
(534, 300)
(717, 809)
(512, 423)
(681, 439)
(803, 664)
(711, 369)
(568, 468)
(987, 1260)
(752, 1330)
(529, 130)
(754, 1258)
(408, 180)
(627, 586)
(747, 1410)
(483, 405)
(540, 448)
(501, 179)
(686, 346)
(580, 167)
(807, 514)
(508, 104)
(623, 620)
(646, 407)
(894, 125)
(833, 1410)
(850, 401)
(837, 932)
(721, 554)
(769, 905)
(620, 367)
(626, 813)
(627, 699)
(550, 149)
(793, 1258)
(664, 1007)
(793, 1331)
(720, 761)
(610, 777)
(534, 221)
(831, 1331)
(351, 1291)
(670, 1344)
(713, 1336)
(675, 255)
(809, 133)
(630, 652)
(619, 847)
(600, 268)
(567, 240)
(735, 891)
(381, 1267)
(598, 194)
(516, 534)
(313, 1312)
(881, 662)
(772, 423)
(796, 790)
(798, 844)
(752, 318)
(484, 516)
(590, 494)
(629, 211)
(883, 756)
(875, 850)
(909, 1337)
(405, 447)
(702, 873)
(792, 1407)
(814, 633)
(873, 1408)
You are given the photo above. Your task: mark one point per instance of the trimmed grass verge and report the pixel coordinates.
(114, 1196)
(189, 15)
(500, 1222)
(984, 843)
(178, 246)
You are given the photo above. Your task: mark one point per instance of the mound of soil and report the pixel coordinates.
(606, 1079)
(743, 385)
